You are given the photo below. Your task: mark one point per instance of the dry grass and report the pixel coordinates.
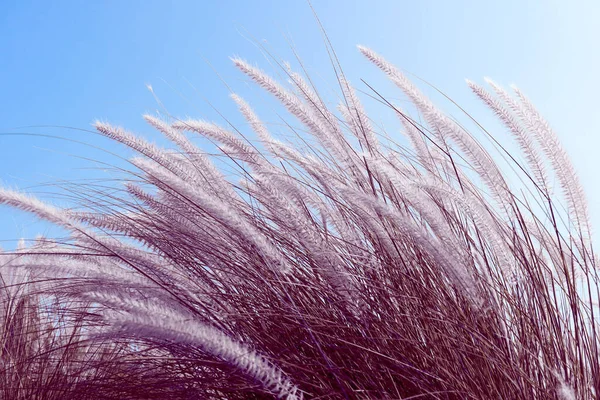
(350, 268)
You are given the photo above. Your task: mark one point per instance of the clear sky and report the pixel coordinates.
(67, 63)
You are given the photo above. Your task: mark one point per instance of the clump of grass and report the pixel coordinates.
(351, 268)
(47, 350)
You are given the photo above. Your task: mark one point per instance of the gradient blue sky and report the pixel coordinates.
(67, 63)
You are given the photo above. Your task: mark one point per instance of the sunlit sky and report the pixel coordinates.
(68, 63)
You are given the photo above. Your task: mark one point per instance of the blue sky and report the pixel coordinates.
(68, 63)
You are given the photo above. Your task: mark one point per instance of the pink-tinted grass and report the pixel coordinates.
(358, 269)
